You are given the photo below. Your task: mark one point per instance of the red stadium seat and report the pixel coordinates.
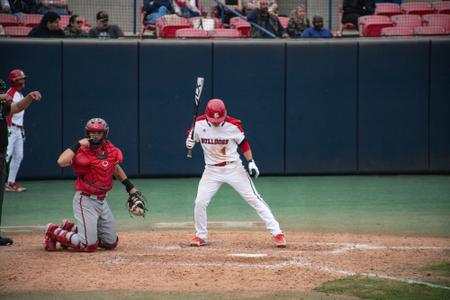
(442, 7)
(437, 20)
(387, 9)
(430, 30)
(167, 26)
(225, 33)
(417, 8)
(284, 21)
(30, 20)
(370, 26)
(397, 31)
(407, 20)
(17, 30)
(243, 26)
(8, 20)
(191, 33)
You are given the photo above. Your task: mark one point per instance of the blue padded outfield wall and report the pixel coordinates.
(308, 107)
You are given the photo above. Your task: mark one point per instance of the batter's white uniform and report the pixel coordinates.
(223, 165)
(16, 138)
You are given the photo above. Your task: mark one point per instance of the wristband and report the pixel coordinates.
(75, 147)
(128, 185)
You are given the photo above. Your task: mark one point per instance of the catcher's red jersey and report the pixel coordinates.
(95, 168)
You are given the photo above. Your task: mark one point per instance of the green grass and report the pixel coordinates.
(438, 273)
(401, 205)
(381, 289)
(152, 295)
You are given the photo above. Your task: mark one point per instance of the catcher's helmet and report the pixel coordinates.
(97, 124)
(216, 111)
(15, 75)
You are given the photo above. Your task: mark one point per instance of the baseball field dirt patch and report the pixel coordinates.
(242, 262)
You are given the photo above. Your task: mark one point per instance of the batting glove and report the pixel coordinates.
(253, 169)
(190, 143)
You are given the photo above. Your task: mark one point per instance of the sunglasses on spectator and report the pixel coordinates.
(79, 22)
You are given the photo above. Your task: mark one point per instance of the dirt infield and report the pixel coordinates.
(234, 261)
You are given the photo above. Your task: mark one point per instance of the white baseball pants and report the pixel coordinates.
(14, 152)
(237, 177)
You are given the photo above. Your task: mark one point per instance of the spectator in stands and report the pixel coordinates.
(48, 27)
(273, 8)
(2, 30)
(23, 6)
(5, 8)
(157, 9)
(103, 29)
(353, 9)
(224, 14)
(187, 8)
(74, 28)
(297, 22)
(317, 31)
(58, 6)
(263, 18)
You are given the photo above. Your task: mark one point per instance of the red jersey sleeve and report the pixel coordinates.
(80, 162)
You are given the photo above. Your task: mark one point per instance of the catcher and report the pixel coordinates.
(95, 161)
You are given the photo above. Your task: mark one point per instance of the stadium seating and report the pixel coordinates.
(284, 21)
(397, 31)
(217, 21)
(30, 20)
(387, 9)
(225, 33)
(167, 26)
(243, 26)
(8, 20)
(442, 7)
(191, 33)
(437, 20)
(417, 8)
(370, 26)
(145, 26)
(407, 20)
(430, 30)
(17, 30)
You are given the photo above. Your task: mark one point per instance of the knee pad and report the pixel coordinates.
(107, 246)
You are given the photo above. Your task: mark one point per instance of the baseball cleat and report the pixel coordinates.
(280, 241)
(197, 242)
(49, 240)
(14, 187)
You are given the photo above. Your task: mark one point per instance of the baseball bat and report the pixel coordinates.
(198, 94)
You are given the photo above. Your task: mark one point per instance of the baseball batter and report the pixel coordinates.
(16, 138)
(220, 135)
(95, 161)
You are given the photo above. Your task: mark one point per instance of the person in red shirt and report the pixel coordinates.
(95, 160)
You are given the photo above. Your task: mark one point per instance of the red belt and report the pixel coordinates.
(98, 197)
(222, 164)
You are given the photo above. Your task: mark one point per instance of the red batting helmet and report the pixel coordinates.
(216, 111)
(97, 124)
(15, 75)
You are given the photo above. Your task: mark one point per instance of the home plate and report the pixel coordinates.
(248, 254)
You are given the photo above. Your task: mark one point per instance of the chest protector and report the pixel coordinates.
(95, 168)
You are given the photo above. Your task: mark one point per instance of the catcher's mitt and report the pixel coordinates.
(3, 88)
(136, 204)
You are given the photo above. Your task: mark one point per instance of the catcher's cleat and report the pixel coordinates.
(49, 240)
(280, 241)
(197, 242)
(14, 187)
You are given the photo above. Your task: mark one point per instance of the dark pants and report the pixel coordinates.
(351, 18)
(2, 178)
